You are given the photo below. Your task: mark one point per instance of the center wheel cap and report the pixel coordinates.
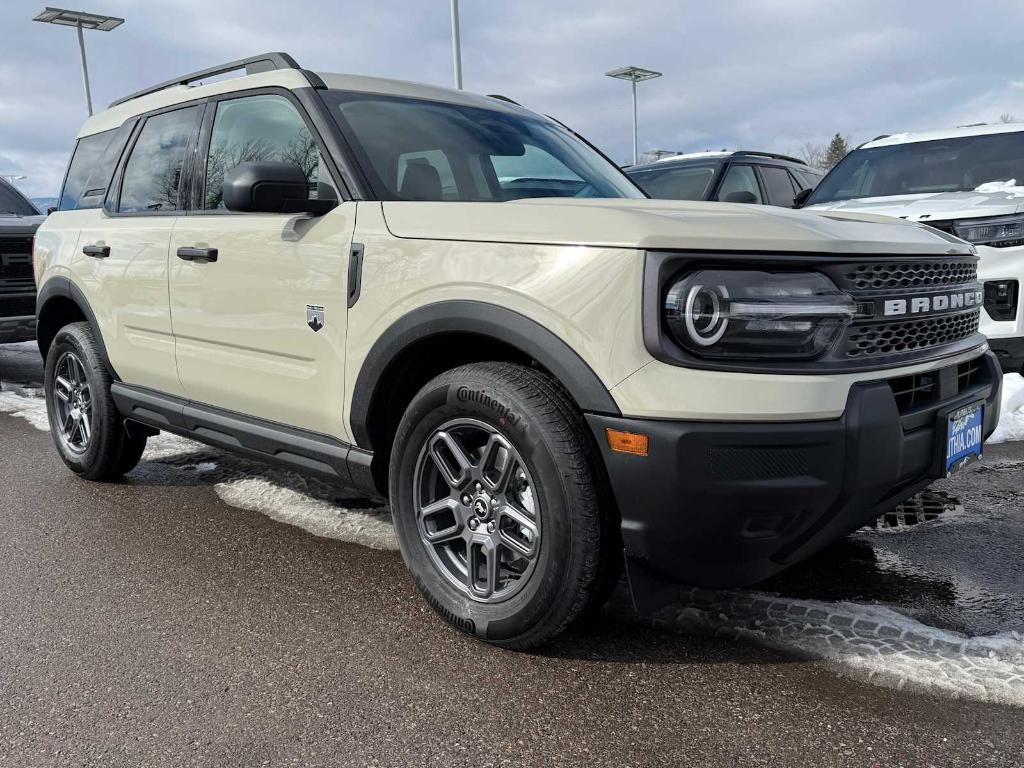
(482, 508)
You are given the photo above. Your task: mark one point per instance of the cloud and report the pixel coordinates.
(737, 73)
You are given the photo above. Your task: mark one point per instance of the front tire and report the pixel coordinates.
(493, 489)
(86, 427)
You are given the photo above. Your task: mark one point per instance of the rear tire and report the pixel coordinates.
(86, 427)
(512, 546)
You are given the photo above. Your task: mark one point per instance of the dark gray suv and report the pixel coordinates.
(730, 177)
(18, 222)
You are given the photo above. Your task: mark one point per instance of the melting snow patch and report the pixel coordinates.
(371, 528)
(865, 641)
(1010, 187)
(1011, 418)
(27, 404)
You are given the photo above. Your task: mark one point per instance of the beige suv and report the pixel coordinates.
(448, 301)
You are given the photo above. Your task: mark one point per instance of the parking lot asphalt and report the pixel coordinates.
(150, 622)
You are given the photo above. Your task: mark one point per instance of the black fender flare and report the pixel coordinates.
(483, 319)
(63, 287)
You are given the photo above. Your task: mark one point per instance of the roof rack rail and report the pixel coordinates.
(773, 155)
(264, 62)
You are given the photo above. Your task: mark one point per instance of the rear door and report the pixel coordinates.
(122, 249)
(260, 322)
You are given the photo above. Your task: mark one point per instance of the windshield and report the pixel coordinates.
(922, 167)
(13, 202)
(416, 149)
(688, 182)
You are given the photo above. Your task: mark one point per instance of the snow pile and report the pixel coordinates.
(27, 404)
(868, 642)
(1011, 418)
(1009, 187)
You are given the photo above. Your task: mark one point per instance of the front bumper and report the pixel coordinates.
(15, 329)
(725, 504)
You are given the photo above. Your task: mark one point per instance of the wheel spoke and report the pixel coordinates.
(446, 451)
(85, 427)
(474, 559)
(521, 536)
(62, 388)
(440, 509)
(497, 464)
(491, 570)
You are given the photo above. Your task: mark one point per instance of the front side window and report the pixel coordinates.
(252, 129)
(740, 186)
(676, 183)
(84, 159)
(152, 175)
(925, 167)
(418, 149)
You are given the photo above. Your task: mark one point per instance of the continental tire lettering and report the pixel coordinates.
(465, 624)
(465, 394)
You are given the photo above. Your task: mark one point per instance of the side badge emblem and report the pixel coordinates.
(315, 318)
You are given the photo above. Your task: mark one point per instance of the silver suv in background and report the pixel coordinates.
(18, 222)
(968, 182)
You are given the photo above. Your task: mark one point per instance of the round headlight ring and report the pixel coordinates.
(704, 314)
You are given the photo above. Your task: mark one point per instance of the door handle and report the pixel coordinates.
(96, 251)
(197, 254)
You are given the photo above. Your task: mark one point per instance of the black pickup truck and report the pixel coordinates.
(18, 222)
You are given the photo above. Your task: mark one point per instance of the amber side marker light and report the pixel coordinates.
(627, 442)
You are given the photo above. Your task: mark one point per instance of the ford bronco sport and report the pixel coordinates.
(451, 302)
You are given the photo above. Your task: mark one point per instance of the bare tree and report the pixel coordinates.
(1007, 117)
(812, 154)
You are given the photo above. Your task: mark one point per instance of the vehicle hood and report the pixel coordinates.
(664, 224)
(19, 225)
(939, 206)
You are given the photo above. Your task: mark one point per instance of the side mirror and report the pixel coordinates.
(271, 188)
(740, 196)
(50, 210)
(801, 197)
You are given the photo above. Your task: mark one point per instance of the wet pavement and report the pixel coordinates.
(163, 621)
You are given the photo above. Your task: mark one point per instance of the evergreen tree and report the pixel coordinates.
(836, 150)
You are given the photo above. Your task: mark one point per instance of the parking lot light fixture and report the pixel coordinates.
(80, 20)
(634, 75)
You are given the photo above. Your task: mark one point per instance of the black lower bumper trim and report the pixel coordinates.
(1010, 353)
(722, 504)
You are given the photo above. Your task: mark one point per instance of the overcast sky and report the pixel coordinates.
(752, 74)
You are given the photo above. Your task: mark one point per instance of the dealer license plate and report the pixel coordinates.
(963, 436)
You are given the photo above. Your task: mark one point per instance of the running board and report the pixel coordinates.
(307, 452)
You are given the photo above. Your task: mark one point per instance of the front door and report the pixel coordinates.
(259, 301)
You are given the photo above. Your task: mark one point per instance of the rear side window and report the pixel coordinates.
(84, 161)
(676, 183)
(778, 186)
(152, 175)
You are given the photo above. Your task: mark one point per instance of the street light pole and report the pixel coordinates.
(456, 45)
(88, 91)
(80, 21)
(634, 75)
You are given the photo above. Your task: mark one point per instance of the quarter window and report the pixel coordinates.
(152, 175)
(83, 162)
(778, 186)
(676, 183)
(740, 179)
(259, 129)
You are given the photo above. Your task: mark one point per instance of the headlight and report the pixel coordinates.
(1003, 232)
(735, 314)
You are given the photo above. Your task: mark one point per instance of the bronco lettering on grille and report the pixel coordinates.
(921, 305)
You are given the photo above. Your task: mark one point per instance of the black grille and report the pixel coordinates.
(22, 245)
(915, 391)
(11, 269)
(17, 306)
(877, 339)
(865, 277)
